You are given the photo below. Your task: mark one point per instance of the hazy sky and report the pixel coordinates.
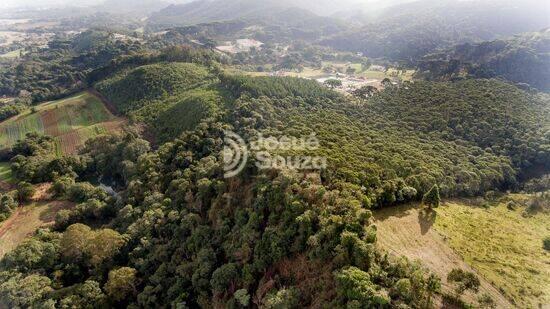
(50, 3)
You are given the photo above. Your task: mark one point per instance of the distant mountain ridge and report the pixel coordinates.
(285, 18)
(412, 30)
(521, 59)
(204, 11)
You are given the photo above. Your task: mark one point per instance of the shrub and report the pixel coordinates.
(7, 205)
(61, 185)
(242, 297)
(25, 192)
(282, 299)
(486, 301)
(353, 284)
(463, 280)
(432, 198)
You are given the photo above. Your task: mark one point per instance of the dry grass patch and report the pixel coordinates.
(409, 231)
(503, 245)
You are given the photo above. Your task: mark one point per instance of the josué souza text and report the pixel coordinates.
(265, 159)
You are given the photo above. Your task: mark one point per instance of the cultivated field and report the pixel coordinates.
(71, 121)
(503, 245)
(408, 231)
(6, 178)
(5, 172)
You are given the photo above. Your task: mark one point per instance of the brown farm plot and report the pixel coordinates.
(71, 121)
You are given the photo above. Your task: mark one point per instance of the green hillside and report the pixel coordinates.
(190, 110)
(130, 91)
(504, 245)
(495, 116)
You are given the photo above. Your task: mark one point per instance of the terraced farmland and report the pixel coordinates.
(71, 121)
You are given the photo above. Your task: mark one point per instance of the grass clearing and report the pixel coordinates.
(314, 73)
(71, 121)
(12, 54)
(503, 246)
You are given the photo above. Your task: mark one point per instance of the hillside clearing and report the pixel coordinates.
(405, 230)
(25, 220)
(71, 121)
(504, 246)
(12, 54)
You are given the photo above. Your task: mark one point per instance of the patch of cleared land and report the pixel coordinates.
(24, 222)
(502, 245)
(338, 70)
(71, 121)
(13, 54)
(408, 231)
(239, 46)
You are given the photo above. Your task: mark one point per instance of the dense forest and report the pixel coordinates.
(61, 68)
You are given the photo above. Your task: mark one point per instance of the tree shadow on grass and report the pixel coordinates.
(426, 219)
(398, 211)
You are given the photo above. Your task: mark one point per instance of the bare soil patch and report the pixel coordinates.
(25, 220)
(50, 120)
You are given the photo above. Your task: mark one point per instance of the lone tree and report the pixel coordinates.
(333, 83)
(386, 83)
(463, 280)
(432, 198)
(365, 91)
(433, 286)
(25, 192)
